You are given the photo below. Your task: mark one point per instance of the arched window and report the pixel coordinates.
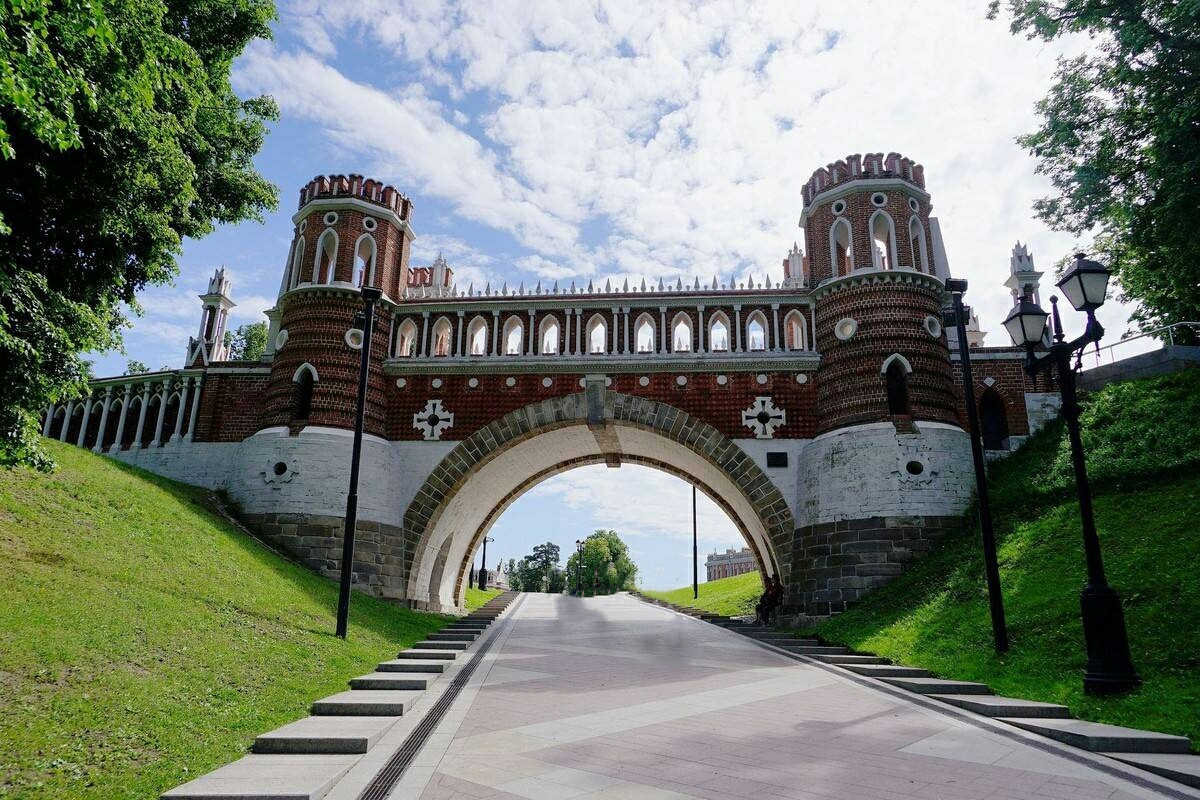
(756, 332)
(297, 264)
(916, 238)
(993, 419)
(406, 340)
(597, 335)
(514, 336)
(364, 260)
(793, 330)
(303, 381)
(477, 337)
(883, 241)
(841, 249)
(718, 333)
(441, 337)
(895, 375)
(643, 333)
(325, 263)
(549, 333)
(681, 333)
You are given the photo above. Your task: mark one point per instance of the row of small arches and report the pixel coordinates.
(884, 253)
(597, 338)
(324, 265)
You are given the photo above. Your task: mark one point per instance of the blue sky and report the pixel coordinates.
(544, 141)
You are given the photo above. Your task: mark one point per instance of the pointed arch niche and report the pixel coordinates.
(883, 241)
(643, 333)
(364, 260)
(793, 331)
(477, 336)
(756, 332)
(597, 335)
(681, 333)
(514, 336)
(920, 252)
(895, 372)
(841, 249)
(549, 333)
(718, 333)
(406, 339)
(325, 262)
(442, 331)
(303, 381)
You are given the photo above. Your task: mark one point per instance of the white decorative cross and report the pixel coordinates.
(763, 417)
(432, 420)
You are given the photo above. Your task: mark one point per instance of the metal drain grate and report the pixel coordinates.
(387, 778)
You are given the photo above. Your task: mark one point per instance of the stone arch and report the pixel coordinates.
(477, 480)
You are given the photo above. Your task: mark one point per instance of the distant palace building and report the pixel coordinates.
(731, 562)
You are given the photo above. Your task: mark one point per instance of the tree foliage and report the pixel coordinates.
(538, 571)
(605, 566)
(1120, 142)
(119, 136)
(248, 342)
(135, 367)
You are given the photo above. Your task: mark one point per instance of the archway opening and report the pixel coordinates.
(993, 419)
(465, 494)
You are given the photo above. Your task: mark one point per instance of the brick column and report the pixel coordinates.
(700, 329)
(116, 445)
(66, 426)
(495, 331)
(737, 326)
(663, 338)
(162, 413)
(87, 412)
(532, 333)
(98, 447)
(775, 324)
(625, 314)
(195, 409)
(458, 340)
(578, 328)
(424, 350)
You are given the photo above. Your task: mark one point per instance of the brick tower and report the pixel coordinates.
(349, 232)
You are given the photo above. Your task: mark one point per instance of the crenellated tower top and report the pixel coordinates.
(358, 187)
(863, 167)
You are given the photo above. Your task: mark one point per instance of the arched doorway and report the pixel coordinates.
(484, 474)
(993, 420)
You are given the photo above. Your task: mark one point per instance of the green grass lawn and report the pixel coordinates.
(731, 596)
(477, 597)
(143, 641)
(1144, 452)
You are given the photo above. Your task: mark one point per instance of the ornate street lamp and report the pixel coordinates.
(579, 567)
(1109, 668)
(364, 322)
(483, 573)
(957, 316)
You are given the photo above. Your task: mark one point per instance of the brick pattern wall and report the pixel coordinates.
(859, 210)
(890, 309)
(230, 407)
(316, 321)
(702, 397)
(1009, 381)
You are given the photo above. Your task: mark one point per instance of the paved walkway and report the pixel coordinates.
(613, 698)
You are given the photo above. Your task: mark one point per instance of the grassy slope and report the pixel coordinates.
(143, 641)
(732, 596)
(1144, 449)
(477, 597)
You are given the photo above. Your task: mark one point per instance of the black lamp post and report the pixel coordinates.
(956, 287)
(579, 567)
(483, 573)
(1109, 668)
(364, 321)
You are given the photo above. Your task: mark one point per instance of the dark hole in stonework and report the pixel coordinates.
(763, 417)
(280, 467)
(433, 420)
(777, 459)
(914, 467)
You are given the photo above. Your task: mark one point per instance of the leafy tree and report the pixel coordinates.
(605, 567)
(135, 367)
(538, 571)
(248, 342)
(1120, 142)
(119, 136)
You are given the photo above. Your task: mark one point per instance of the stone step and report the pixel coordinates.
(1100, 738)
(325, 735)
(990, 706)
(392, 681)
(268, 777)
(467, 626)
(1173, 766)
(365, 703)
(413, 665)
(453, 636)
(426, 655)
(432, 644)
(938, 686)
(849, 659)
(809, 650)
(887, 671)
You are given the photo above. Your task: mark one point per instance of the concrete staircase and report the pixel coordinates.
(1159, 753)
(306, 758)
